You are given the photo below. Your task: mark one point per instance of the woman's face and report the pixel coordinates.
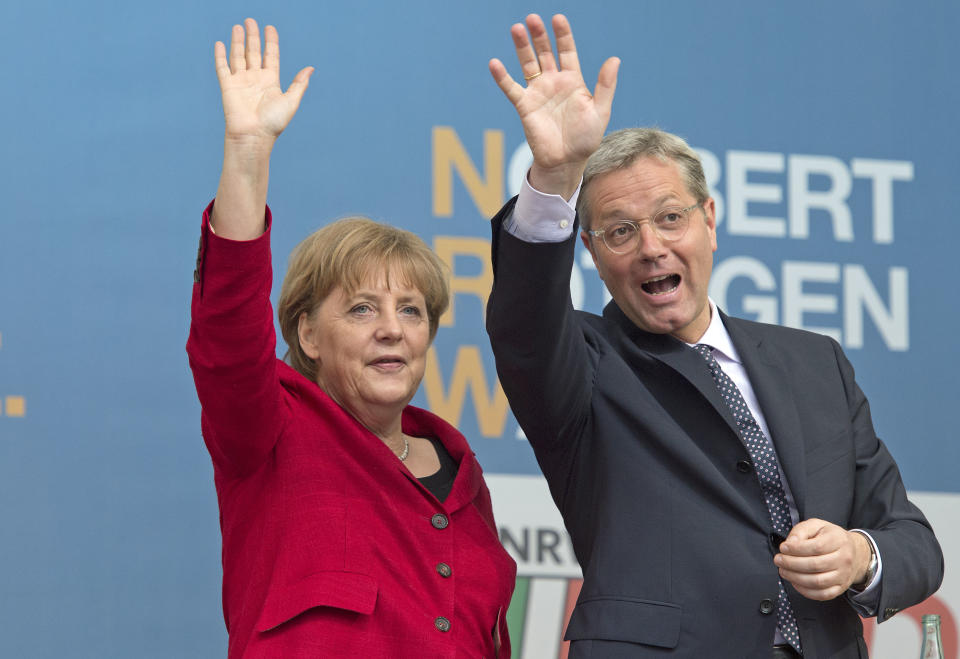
(370, 347)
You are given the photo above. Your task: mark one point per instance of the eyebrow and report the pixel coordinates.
(371, 294)
(618, 213)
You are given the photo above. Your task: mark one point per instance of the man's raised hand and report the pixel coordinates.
(563, 122)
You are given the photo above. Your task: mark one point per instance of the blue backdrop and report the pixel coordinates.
(830, 136)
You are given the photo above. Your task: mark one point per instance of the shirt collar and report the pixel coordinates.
(717, 337)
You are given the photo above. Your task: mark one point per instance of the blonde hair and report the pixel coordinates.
(348, 253)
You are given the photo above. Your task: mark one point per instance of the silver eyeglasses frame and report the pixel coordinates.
(602, 233)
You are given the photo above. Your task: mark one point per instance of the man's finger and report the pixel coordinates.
(825, 586)
(799, 539)
(541, 42)
(529, 65)
(807, 528)
(508, 85)
(806, 564)
(566, 48)
(814, 581)
(606, 85)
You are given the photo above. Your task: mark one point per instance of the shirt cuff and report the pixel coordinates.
(542, 218)
(866, 601)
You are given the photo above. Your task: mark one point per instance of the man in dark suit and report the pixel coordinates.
(720, 479)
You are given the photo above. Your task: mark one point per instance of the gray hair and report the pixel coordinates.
(620, 149)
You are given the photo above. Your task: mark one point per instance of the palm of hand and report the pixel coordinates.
(254, 104)
(560, 118)
(562, 121)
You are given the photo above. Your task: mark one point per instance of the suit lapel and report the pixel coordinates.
(768, 376)
(678, 356)
(771, 384)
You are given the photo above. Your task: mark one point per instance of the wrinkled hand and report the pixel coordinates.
(254, 105)
(563, 122)
(822, 560)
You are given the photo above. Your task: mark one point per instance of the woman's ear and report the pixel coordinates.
(306, 332)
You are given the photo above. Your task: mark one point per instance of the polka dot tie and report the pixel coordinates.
(765, 464)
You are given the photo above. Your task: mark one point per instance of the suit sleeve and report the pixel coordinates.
(912, 558)
(544, 363)
(232, 350)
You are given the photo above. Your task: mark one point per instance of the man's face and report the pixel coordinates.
(660, 286)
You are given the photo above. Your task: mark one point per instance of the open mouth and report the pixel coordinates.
(661, 285)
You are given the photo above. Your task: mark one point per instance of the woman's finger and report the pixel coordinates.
(220, 61)
(252, 51)
(299, 85)
(271, 49)
(237, 61)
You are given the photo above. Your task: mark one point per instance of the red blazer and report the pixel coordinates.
(331, 547)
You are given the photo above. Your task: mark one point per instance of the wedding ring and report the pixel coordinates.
(529, 78)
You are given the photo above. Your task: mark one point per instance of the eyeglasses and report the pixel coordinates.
(669, 224)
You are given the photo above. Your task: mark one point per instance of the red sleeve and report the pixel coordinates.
(232, 350)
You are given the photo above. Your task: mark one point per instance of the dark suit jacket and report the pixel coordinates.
(656, 489)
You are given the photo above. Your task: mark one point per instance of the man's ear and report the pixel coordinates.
(588, 243)
(710, 216)
(306, 332)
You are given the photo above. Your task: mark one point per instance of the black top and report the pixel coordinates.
(441, 482)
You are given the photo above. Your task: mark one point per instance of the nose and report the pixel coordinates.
(389, 327)
(650, 246)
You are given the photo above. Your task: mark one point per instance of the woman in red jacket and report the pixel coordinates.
(354, 525)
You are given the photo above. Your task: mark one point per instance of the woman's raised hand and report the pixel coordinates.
(562, 120)
(256, 110)
(254, 105)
